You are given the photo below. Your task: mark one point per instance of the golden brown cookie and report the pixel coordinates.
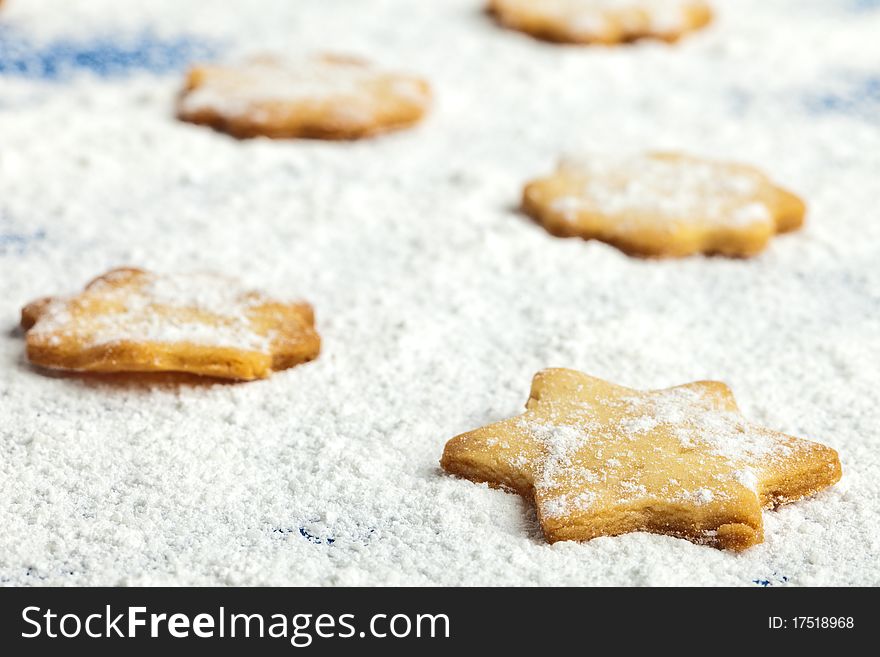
(130, 320)
(664, 204)
(602, 21)
(601, 460)
(328, 97)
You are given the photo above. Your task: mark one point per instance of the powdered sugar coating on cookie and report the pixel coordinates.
(602, 21)
(679, 413)
(665, 204)
(601, 459)
(133, 320)
(200, 309)
(327, 97)
(671, 189)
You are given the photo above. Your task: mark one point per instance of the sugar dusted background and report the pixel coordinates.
(436, 299)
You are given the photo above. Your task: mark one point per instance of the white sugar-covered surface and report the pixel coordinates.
(436, 299)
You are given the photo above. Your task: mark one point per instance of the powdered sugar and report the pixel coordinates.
(671, 191)
(200, 309)
(592, 17)
(699, 496)
(241, 89)
(747, 478)
(560, 443)
(698, 426)
(566, 504)
(618, 431)
(437, 301)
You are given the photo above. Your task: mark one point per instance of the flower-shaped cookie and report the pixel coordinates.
(664, 204)
(326, 97)
(602, 460)
(602, 21)
(130, 320)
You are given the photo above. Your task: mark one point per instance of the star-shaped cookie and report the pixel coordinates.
(601, 460)
(130, 320)
(664, 204)
(602, 21)
(323, 97)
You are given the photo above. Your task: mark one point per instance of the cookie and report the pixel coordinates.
(130, 320)
(664, 204)
(601, 460)
(602, 21)
(328, 97)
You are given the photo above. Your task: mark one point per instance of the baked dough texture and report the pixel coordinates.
(602, 460)
(664, 204)
(602, 21)
(325, 97)
(131, 320)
